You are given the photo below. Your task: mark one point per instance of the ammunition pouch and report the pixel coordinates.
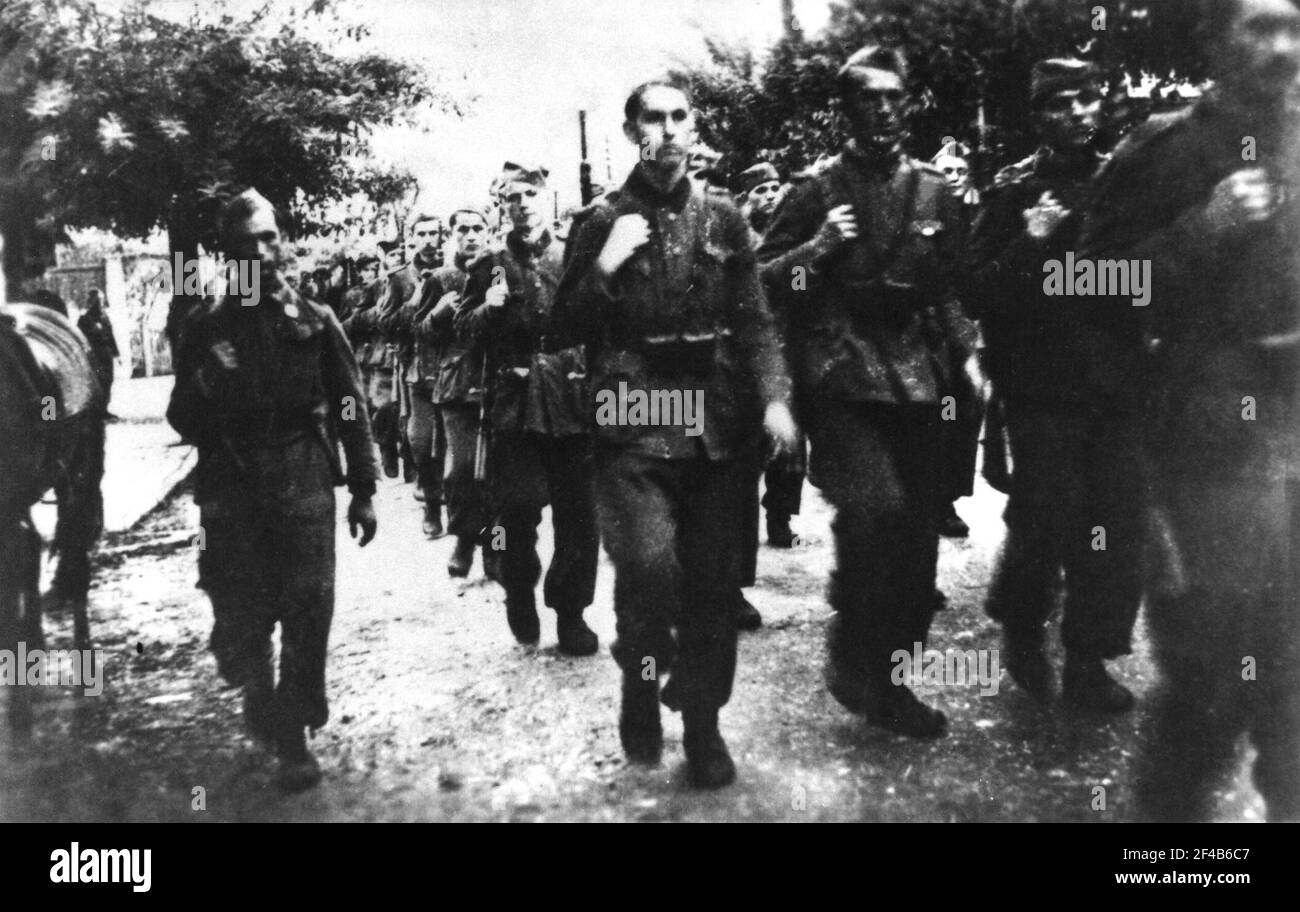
(694, 354)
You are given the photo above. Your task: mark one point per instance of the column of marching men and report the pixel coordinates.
(840, 328)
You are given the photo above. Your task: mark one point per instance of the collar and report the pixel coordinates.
(520, 245)
(871, 162)
(675, 199)
(1050, 164)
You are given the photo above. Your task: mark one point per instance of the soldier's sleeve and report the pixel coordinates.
(1120, 224)
(584, 296)
(432, 324)
(388, 316)
(958, 325)
(192, 335)
(755, 327)
(482, 321)
(1004, 263)
(347, 403)
(794, 242)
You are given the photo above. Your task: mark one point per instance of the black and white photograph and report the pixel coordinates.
(611, 411)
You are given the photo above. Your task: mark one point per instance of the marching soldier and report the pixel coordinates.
(860, 261)
(266, 389)
(961, 435)
(541, 445)
(761, 189)
(377, 358)
(1065, 369)
(457, 391)
(423, 429)
(98, 330)
(1208, 197)
(663, 287)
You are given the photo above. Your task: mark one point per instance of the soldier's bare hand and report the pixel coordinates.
(496, 295)
(1044, 217)
(361, 516)
(841, 224)
(1241, 198)
(630, 233)
(780, 427)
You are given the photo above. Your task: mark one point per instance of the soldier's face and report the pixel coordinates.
(1260, 54)
(471, 235)
(956, 172)
(393, 259)
(258, 239)
(874, 108)
(370, 272)
(522, 206)
(425, 235)
(664, 129)
(762, 199)
(1071, 119)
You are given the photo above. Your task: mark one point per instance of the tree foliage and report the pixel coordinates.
(154, 123)
(964, 56)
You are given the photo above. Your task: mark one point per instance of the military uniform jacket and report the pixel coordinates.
(362, 328)
(872, 319)
(696, 278)
(394, 318)
(448, 354)
(1225, 308)
(537, 386)
(99, 333)
(1047, 347)
(296, 377)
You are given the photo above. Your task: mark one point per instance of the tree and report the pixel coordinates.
(965, 57)
(156, 123)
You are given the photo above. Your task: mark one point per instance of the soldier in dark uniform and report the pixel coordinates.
(541, 444)
(860, 261)
(266, 389)
(365, 271)
(662, 285)
(962, 431)
(783, 477)
(418, 363)
(378, 358)
(1208, 197)
(95, 326)
(457, 391)
(403, 282)
(1066, 371)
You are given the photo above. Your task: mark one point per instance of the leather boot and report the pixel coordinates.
(521, 615)
(779, 533)
(462, 557)
(746, 615)
(1087, 685)
(894, 707)
(299, 770)
(1027, 664)
(259, 707)
(388, 456)
(432, 524)
(639, 727)
(576, 638)
(710, 765)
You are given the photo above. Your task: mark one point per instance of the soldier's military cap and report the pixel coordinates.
(389, 246)
(952, 148)
(866, 65)
(1059, 74)
(754, 175)
(514, 172)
